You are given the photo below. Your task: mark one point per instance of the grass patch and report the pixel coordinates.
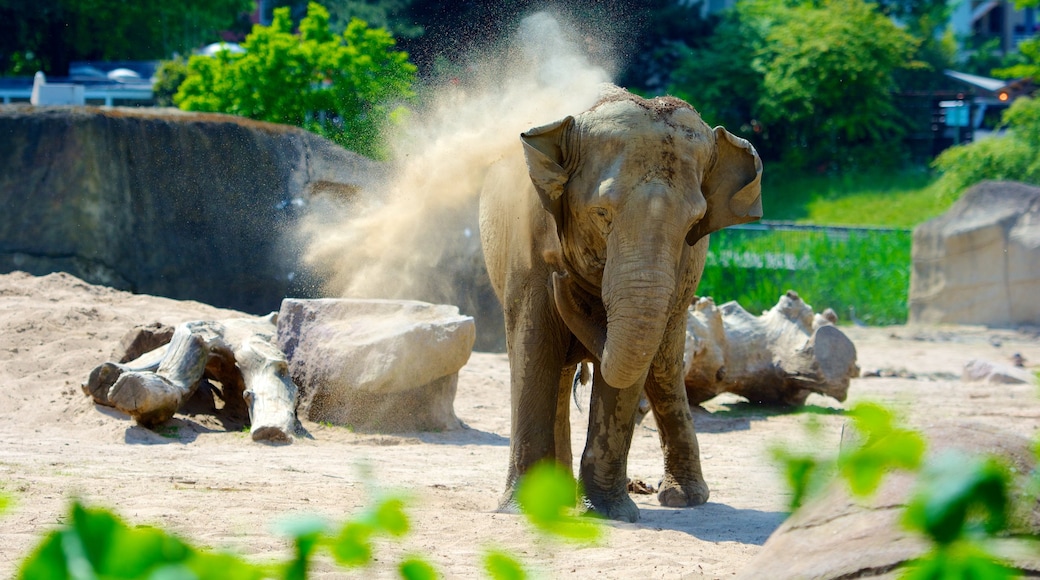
(862, 275)
(897, 198)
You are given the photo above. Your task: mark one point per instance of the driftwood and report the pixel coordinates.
(238, 353)
(777, 358)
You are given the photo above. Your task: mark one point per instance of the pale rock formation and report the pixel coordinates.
(376, 365)
(979, 263)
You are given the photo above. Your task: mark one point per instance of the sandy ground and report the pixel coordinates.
(217, 488)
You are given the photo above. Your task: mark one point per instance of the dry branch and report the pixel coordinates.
(238, 353)
(777, 358)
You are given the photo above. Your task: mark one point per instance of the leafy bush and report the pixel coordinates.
(855, 272)
(346, 87)
(95, 543)
(1012, 156)
(168, 79)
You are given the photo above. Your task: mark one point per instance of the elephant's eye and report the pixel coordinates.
(602, 218)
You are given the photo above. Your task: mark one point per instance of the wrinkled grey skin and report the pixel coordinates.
(597, 259)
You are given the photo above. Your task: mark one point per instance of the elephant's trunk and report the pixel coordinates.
(637, 300)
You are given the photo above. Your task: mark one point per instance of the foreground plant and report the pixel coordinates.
(95, 543)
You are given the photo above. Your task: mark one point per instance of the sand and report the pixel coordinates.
(217, 488)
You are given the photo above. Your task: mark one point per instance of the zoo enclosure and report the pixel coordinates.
(863, 274)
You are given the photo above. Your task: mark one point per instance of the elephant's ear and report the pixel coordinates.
(545, 153)
(732, 187)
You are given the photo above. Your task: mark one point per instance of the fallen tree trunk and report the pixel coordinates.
(238, 353)
(777, 358)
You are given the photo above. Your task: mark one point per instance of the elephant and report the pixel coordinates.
(596, 260)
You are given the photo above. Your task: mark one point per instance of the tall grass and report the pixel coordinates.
(863, 275)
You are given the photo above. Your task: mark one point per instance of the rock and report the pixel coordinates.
(991, 372)
(979, 263)
(376, 365)
(837, 536)
(163, 202)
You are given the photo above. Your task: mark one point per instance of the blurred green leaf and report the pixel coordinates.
(47, 561)
(804, 475)
(502, 566)
(416, 568)
(306, 532)
(547, 495)
(958, 493)
(353, 546)
(134, 553)
(885, 447)
(390, 517)
(963, 560)
(221, 566)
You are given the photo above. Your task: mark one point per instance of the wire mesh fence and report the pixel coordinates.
(863, 274)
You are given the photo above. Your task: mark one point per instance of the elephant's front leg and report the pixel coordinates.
(683, 484)
(604, 463)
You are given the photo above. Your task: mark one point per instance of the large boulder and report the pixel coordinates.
(376, 365)
(979, 263)
(837, 535)
(158, 201)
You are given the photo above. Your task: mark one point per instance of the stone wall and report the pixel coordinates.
(158, 201)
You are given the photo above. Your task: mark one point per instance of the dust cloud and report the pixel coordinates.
(415, 235)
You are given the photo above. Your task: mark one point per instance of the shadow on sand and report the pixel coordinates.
(738, 416)
(713, 522)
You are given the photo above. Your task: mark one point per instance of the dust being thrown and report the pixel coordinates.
(416, 234)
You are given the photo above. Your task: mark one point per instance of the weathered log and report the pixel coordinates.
(238, 353)
(269, 393)
(777, 358)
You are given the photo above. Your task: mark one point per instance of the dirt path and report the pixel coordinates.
(219, 489)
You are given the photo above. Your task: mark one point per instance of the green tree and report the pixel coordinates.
(389, 14)
(48, 34)
(1029, 53)
(813, 79)
(345, 87)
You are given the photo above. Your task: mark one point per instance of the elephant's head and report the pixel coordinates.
(632, 184)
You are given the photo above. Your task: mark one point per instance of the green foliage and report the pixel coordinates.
(885, 447)
(1011, 156)
(755, 267)
(97, 544)
(960, 495)
(1030, 68)
(168, 78)
(51, 33)
(547, 494)
(502, 566)
(813, 80)
(415, 568)
(345, 87)
(959, 502)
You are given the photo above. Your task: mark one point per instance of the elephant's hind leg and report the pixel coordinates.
(683, 484)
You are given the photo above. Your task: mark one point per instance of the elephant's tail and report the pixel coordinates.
(581, 383)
